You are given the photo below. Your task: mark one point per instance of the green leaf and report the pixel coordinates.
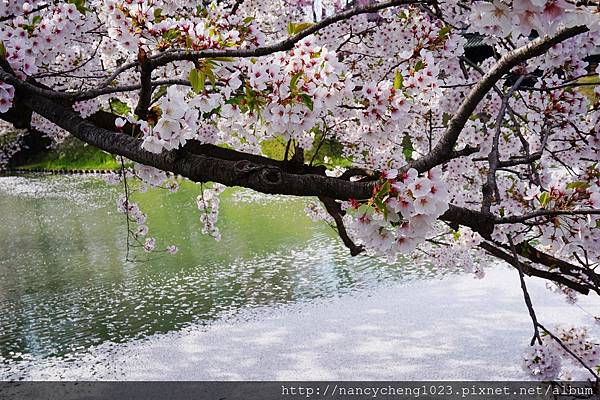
(295, 28)
(223, 59)
(119, 107)
(197, 79)
(398, 80)
(162, 90)
(188, 42)
(419, 65)
(379, 203)
(307, 101)
(407, 147)
(545, 199)
(211, 77)
(170, 34)
(237, 100)
(365, 209)
(294, 81)
(443, 33)
(2, 49)
(385, 189)
(578, 185)
(80, 5)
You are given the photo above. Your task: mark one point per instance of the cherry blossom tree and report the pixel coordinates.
(412, 148)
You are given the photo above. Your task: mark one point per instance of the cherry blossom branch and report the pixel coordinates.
(490, 187)
(334, 209)
(444, 146)
(83, 95)
(536, 324)
(34, 10)
(169, 56)
(273, 178)
(514, 219)
(284, 45)
(504, 254)
(536, 332)
(145, 94)
(563, 86)
(568, 350)
(200, 168)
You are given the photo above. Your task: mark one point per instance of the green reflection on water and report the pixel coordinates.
(64, 284)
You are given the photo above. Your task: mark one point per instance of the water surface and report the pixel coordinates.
(65, 285)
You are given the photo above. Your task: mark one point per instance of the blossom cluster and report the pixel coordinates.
(149, 23)
(7, 92)
(86, 108)
(401, 213)
(502, 18)
(460, 249)
(30, 41)
(256, 100)
(545, 361)
(542, 363)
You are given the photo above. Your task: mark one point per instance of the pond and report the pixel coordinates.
(65, 284)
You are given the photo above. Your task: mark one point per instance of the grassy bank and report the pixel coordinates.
(72, 154)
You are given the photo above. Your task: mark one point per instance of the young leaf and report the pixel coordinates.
(407, 148)
(398, 80)
(79, 4)
(578, 185)
(379, 203)
(443, 33)
(544, 199)
(197, 80)
(211, 77)
(119, 107)
(294, 81)
(294, 28)
(385, 189)
(307, 101)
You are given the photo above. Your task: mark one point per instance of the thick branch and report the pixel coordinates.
(199, 168)
(145, 94)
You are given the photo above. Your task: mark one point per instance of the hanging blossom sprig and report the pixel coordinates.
(208, 202)
(134, 215)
